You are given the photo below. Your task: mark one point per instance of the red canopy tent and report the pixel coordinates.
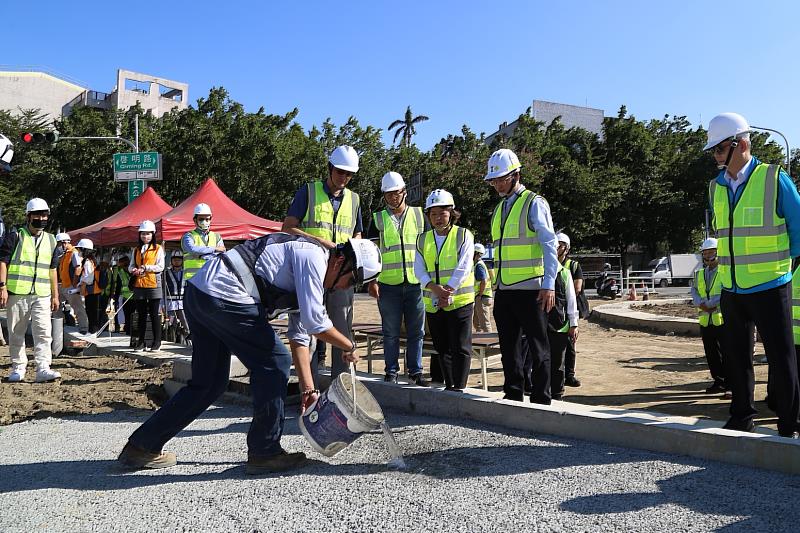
(231, 221)
(122, 227)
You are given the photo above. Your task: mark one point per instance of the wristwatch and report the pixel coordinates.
(2, 283)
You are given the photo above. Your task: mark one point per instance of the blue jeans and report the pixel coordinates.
(219, 328)
(398, 302)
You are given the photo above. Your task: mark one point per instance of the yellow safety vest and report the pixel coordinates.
(708, 292)
(488, 290)
(753, 244)
(796, 306)
(399, 247)
(192, 262)
(518, 253)
(29, 269)
(320, 219)
(441, 264)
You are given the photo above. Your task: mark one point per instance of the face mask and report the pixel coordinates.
(204, 224)
(38, 223)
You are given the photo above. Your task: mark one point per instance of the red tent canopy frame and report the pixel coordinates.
(122, 228)
(232, 222)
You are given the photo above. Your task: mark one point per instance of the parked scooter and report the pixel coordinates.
(606, 285)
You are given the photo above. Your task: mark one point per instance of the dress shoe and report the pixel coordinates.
(274, 463)
(572, 381)
(737, 425)
(418, 380)
(134, 457)
(716, 388)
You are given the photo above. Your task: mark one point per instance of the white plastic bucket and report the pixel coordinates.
(332, 422)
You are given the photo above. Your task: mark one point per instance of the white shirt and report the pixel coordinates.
(741, 176)
(572, 302)
(463, 267)
(293, 266)
(87, 276)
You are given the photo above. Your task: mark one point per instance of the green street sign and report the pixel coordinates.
(135, 189)
(137, 166)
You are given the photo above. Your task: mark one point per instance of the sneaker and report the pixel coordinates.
(134, 457)
(45, 374)
(274, 463)
(17, 374)
(572, 381)
(417, 379)
(390, 378)
(140, 347)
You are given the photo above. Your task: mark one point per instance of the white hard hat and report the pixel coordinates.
(502, 162)
(725, 126)
(202, 209)
(36, 204)
(563, 237)
(345, 158)
(61, 237)
(86, 244)
(176, 253)
(708, 244)
(439, 197)
(368, 259)
(6, 152)
(480, 249)
(147, 225)
(392, 181)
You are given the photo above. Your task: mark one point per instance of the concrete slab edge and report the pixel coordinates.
(629, 315)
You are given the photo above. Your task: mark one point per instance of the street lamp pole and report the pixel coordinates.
(786, 141)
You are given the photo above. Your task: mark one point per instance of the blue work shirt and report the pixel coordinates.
(788, 208)
(299, 205)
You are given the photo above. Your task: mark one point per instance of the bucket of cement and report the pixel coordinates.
(333, 422)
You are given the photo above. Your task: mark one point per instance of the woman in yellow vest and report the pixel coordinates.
(147, 266)
(443, 265)
(706, 294)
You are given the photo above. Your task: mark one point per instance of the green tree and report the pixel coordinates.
(406, 127)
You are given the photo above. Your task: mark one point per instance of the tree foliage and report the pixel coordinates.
(640, 183)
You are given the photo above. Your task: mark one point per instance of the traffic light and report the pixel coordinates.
(50, 137)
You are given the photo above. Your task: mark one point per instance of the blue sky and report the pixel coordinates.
(459, 62)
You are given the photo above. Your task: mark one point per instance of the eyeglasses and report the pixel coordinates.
(721, 148)
(501, 179)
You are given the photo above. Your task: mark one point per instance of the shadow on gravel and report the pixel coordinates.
(764, 507)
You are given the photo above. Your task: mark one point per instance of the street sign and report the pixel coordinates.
(137, 166)
(135, 189)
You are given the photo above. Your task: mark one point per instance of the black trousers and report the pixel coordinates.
(143, 307)
(92, 303)
(558, 350)
(771, 312)
(569, 360)
(712, 344)
(515, 313)
(452, 339)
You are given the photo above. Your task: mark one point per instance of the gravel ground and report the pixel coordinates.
(61, 475)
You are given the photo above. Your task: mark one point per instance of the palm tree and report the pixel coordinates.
(405, 126)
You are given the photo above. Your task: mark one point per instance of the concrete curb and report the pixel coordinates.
(644, 430)
(628, 315)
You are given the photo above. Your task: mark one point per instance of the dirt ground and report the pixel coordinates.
(617, 368)
(679, 310)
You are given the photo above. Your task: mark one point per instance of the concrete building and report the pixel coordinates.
(571, 116)
(56, 95)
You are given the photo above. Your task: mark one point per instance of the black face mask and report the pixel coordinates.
(38, 223)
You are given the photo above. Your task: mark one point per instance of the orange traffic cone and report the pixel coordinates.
(632, 293)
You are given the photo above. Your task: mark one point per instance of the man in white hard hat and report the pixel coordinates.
(201, 243)
(526, 264)
(756, 211)
(29, 291)
(706, 294)
(397, 289)
(228, 305)
(330, 213)
(575, 270)
(481, 321)
(69, 274)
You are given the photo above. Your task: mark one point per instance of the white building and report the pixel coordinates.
(572, 116)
